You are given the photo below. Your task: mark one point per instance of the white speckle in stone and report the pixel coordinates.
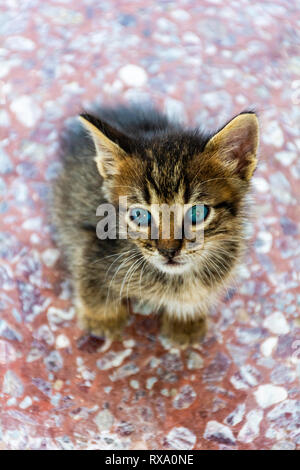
(58, 384)
(263, 242)
(150, 382)
(250, 430)
(33, 223)
(19, 43)
(286, 158)
(190, 37)
(184, 398)
(73, 88)
(2, 187)
(211, 49)
(250, 375)
(11, 402)
(218, 432)
(33, 355)
(165, 25)
(238, 382)
(287, 410)
(4, 118)
(34, 239)
(277, 324)
(133, 75)
(12, 384)
(7, 352)
(297, 142)
(180, 438)
(243, 272)
(5, 68)
(26, 403)
(56, 316)
(104, 420)
(7, 331)
(241, 99)
(113, 359)
(180, 15)
(154, 362)
(62, 341)
(134, 384)
(273, 135)
(63, 16)
(275, 433)
(22, 192)
(125, 371)
(267, 395)
(236, 416)
(268, 346)
(217, 99)
(175, 109)
(54, 361)
(261, 184)
(45, 334)
(50, 256)
(229, 73)
(115, 87)
(26, 110)
(284, 445)
(34, 151)
(194, 361)
(280, 187)
(6, 165)
(129, 343)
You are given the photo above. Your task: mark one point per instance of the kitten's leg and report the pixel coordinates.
(98, 317)
(184, 332)
(99, 312)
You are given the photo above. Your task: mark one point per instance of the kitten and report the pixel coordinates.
(143, 157)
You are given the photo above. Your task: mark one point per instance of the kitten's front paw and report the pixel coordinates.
(91, 326)
(186, 333)
(102, 324)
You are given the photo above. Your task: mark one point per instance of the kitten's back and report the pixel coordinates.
(138, 122)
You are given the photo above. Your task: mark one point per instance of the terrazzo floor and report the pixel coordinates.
(202, 61)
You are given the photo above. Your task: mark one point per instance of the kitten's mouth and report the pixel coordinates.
(173, 267)
(171, 262)
(169, 266)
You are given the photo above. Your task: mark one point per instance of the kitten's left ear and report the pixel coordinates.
(236, 145)
(110, 144)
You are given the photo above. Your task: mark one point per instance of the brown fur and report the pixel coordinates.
(150, 160)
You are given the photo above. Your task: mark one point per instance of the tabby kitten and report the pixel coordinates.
(141, 156)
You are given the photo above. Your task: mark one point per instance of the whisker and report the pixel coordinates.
(120, 267)
(141, 275)
(127, 274)
(141, 261)
(120, 256)
(109, 256)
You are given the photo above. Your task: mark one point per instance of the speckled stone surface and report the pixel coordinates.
(202, 61)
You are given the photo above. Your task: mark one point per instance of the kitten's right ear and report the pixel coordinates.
(236, 145)
(110, 144)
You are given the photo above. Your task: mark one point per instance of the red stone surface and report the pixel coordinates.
(203, 61)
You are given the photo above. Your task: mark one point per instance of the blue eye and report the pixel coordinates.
(197, 214)
(140, 216)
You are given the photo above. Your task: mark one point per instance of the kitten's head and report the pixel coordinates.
(205, 179)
